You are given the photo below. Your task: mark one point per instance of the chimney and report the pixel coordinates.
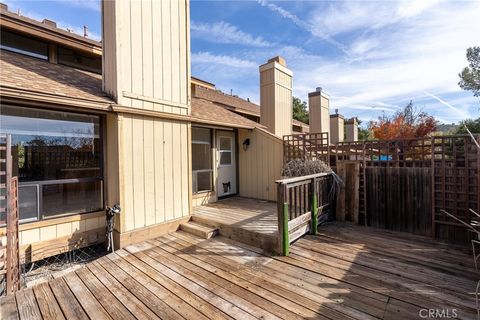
(337, 128)
(3, 6)
(49, 23)
(276, 96)
(351, 128)
(139, 71)
(319, 111)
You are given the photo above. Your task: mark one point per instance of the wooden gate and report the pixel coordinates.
(399, 199)
(9, 216)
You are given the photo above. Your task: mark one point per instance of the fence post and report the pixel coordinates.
(282, 218)
(314, 199)
(285, 239)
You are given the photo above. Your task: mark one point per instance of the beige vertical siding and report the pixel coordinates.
(337, 129)
(319, 112)
(260, 165)
(276, 98)
(146, 54)
(156, 173)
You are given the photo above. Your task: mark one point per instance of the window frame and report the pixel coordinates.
(38, 184)
(24, 52)
(220, 151)
(77, 65)
(195, 172)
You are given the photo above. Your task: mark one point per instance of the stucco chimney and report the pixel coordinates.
(351, 129)
(319, 111)
(146, 56)
(337, 128)
(276, 96)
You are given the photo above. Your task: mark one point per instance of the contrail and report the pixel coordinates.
(457, 110)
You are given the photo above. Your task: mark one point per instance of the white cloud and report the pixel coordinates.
(223, 32)
(223, 60)
(389, 63)
(317, 32)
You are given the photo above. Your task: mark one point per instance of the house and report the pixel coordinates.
(122, 121)
(133, 136)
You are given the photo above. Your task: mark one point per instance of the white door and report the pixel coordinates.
(226, 164)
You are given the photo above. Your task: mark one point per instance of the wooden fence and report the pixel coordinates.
(9, 216)
(302, 203)
(452, 162)
(306, 146)
(398, 198)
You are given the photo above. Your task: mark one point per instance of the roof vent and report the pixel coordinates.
(318, 89)
(3, 6)
(49, 23)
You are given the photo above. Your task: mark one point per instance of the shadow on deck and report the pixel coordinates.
(249, 221)
(344, 272)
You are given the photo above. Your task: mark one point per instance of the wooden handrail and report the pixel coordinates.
(302, 178)
(299, 202)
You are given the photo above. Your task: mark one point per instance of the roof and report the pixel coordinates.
(47, 30)
(209, 112)
(32, 75)
(234, 103)
(27, 74)
(35, 75)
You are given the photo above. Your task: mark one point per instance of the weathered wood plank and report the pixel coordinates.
(8, 308)
(131, 302)
(109, 302)
(47, 303)
(159, 307)
(66, 300)
(27, 305)
(86, 299)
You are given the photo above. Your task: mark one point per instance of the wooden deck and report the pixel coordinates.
(345, 272)
(247, 220)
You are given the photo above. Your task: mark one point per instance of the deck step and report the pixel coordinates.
(198, 229)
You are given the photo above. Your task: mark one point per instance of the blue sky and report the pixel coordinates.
(372, 57)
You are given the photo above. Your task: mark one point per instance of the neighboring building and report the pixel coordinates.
(207, 91)
(136, 136)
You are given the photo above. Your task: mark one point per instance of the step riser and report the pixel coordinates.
(197, 232)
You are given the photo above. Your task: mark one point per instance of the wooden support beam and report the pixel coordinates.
(285, 240)
(314, 221)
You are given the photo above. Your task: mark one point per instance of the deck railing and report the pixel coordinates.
(302, 202)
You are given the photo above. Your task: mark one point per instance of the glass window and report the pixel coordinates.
(225, 158)
(57, 157)
(20, 44)
(225, 144)
(80, 60)
(225, 151)
(201, 159)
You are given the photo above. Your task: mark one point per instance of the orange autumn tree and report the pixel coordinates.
(404, 124)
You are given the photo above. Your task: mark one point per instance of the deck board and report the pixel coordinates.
(249, 214)
(345, 272)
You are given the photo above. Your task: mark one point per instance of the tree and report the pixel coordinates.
(470, 76)
(407, 123)
(300, 112)
(472, 124)
(364, 134)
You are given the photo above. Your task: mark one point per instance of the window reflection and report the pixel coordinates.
(58, 156)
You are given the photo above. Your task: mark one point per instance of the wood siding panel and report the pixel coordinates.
(159, 172)
(276, 98)
(156, 182)
(260, 165)
(147, 53)
(149, 171)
